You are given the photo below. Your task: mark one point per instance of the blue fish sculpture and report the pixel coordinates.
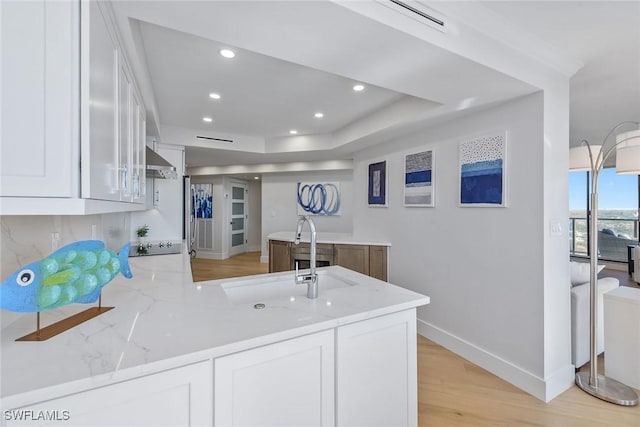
(74, 273)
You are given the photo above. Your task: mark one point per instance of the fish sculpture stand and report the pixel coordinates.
(75, 273)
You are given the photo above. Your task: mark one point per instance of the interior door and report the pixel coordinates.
(239, 219)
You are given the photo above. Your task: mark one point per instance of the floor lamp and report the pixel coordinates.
(591, 158)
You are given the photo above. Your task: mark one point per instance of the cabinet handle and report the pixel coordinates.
(125, 181)
(136, 185)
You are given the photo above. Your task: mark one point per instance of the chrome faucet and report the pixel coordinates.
(310, 279)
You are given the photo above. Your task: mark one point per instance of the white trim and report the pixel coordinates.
(543, 389)
(328, 165)
(253, 248)
(264, 259)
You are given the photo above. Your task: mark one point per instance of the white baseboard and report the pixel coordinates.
(540, 388)
(264, 259)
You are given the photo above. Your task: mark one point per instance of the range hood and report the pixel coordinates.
(158, 167)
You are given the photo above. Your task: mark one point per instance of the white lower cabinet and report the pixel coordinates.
(360, 374)
(376, 372)
(177, 397)
(290, 383)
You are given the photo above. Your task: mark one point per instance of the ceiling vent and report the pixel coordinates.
(418, 12)
(212, 139)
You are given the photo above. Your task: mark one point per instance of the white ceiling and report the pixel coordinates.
(605, 36)
(175, 46)
(261, 96)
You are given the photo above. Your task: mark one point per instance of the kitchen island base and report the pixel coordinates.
(363, 373)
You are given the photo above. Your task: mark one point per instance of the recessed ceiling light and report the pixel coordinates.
(318, 115)
(227, 53)
(293, 131)
(256, 177)
(358, 87)
(214, 95)
(207, 119)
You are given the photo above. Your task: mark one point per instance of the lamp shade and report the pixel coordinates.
(579, 157)
(628, 160)
(628, 152)
(628, 139)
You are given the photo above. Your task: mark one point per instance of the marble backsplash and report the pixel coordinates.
(24, 239)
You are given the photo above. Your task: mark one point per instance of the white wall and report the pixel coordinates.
(165, 219)
(255, 216)
(279, 201)
(484, 268)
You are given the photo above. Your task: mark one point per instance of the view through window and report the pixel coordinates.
(617, 213)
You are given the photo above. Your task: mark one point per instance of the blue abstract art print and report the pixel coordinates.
(418, 179)
(482, 171)
(318, 198)
(377, 193)
(203, 200)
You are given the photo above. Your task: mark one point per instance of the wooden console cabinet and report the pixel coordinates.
(279, 256)
(366, 259)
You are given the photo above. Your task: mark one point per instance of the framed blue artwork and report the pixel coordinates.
(418, 179)
(483, 170)
(317, 198)
(203, 201)
(377, 193)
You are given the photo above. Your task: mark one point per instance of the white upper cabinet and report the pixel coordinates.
(139, 135)
(40, 90)
(99, 123)
(125, 139)
(72, 117)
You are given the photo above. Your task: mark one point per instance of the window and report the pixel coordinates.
(618, 206)
(578, 207)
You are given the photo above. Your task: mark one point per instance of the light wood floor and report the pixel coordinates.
(237, 266)
(454, 392)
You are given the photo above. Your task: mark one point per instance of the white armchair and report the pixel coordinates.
(580, 323)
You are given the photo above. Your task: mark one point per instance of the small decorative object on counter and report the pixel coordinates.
(142, 232)
(75, 273)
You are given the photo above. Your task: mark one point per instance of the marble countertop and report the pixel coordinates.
(162, 320)
(336, 238)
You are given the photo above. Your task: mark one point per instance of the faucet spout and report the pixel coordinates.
(312, 278)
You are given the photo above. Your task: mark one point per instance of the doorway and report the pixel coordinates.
(239, 219)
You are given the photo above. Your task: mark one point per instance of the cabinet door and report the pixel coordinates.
(353, 257)
(39, 149)
(279, 253)
(178, 397)
(378, 262)
(99, 124)
(138, 176)
(290, 383)
(125, 137)
(376, 372)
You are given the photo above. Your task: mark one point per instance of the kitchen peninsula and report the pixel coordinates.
(246, 351)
